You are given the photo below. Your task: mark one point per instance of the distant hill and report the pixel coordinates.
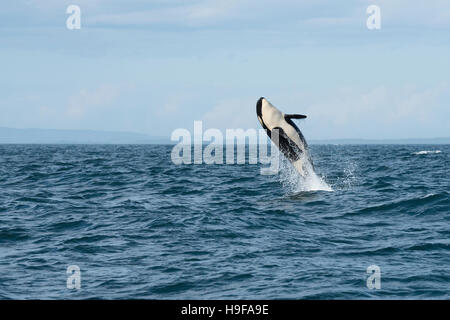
(53, 136)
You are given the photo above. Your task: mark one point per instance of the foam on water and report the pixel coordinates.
(427, 152)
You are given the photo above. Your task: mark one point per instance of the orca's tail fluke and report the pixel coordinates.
(294, 116)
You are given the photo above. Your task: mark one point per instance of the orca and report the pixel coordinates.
(284, 133)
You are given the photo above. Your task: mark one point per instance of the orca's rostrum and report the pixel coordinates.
(284, 133)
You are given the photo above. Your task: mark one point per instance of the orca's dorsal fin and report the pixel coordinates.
(294, 116)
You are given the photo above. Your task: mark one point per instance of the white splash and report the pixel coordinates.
(349, 176)
(292, 180)
(427, 152)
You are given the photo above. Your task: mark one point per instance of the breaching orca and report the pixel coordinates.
(284, 133)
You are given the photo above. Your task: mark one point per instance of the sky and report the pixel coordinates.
(155, 66)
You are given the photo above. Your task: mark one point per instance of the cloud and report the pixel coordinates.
(405, 13)
(381, 112)
(190, 14)
(225, 13)
(381, 104)
(171, 105)
(84, 100)
(232, 114)
(268, 13)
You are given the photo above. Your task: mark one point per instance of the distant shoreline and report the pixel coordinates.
(205, 144)
(91, 137)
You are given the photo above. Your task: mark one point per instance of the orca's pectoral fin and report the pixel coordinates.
(294, 116)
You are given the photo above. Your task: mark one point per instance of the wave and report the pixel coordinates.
(427, 204)
(427, 152)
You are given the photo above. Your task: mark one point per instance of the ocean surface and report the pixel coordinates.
(140, 227)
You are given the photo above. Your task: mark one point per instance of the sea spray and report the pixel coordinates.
(348, 178)
(293, 181)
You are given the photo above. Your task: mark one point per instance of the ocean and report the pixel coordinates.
(136, 226)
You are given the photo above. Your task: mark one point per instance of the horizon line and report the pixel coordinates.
(150, 136)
